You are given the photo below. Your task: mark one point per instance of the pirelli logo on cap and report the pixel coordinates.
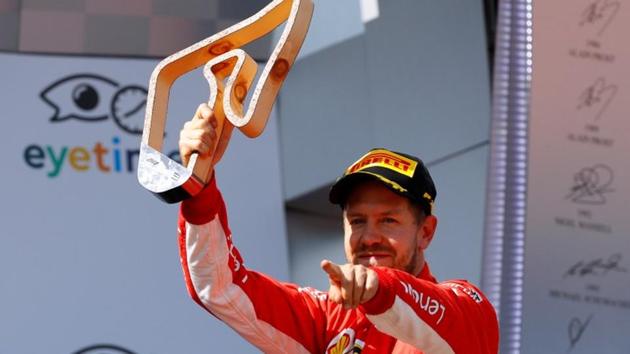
(386, 159)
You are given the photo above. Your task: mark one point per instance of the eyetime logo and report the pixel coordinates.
(92, 98)
(102, 157)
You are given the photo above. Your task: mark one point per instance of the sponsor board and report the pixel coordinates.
(89, 255)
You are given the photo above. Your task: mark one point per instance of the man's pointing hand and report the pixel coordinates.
(350, 284)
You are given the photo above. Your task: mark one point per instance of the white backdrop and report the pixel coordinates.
(576, 296)
(86, 255)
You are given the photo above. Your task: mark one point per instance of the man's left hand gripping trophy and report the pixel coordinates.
(220, 53)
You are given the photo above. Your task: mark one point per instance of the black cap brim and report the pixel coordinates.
(341, 189)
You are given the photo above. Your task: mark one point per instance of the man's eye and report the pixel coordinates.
(357, 221)
(390, 220)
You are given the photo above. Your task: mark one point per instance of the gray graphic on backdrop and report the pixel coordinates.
(93, 98)
(576, 330)
(103, 349)
(595, 99)
(599, 14)
(596, 267)
(591, 184)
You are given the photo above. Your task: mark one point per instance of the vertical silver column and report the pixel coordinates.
(502, 276)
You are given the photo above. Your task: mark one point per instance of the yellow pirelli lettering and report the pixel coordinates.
(386, 159)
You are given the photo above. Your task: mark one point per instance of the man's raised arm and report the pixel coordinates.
(275, 317)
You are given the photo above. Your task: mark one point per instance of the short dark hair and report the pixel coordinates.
(417, 210)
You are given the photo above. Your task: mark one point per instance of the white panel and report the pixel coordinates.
(577, 248)
(369, 10)
(90, 257)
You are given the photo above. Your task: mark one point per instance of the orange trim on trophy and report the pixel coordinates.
(386, 159)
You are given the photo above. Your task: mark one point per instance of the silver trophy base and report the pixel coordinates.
(165, 178)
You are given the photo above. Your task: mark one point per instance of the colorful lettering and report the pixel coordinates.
(99, 157)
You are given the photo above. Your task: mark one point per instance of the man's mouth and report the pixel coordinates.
(373, 259)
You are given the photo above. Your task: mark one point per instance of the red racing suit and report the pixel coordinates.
(407, 315)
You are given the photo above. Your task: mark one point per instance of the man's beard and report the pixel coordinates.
(409, 266)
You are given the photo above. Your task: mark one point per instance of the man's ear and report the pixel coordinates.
(427, 230)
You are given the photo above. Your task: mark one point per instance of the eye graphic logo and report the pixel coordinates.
(93, 98)
(103, 349)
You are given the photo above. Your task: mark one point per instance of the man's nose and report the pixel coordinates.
(371, 235)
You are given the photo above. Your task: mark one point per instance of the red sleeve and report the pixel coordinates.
(449, 317)
(274, 316)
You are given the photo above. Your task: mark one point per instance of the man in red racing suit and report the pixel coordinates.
(375, 304)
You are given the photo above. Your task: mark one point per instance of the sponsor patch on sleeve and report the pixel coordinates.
(472, 293)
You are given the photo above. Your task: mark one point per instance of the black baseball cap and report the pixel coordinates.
(403, 174)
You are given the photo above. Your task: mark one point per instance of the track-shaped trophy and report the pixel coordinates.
(230, 72)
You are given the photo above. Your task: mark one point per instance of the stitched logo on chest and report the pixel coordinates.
(342, 343)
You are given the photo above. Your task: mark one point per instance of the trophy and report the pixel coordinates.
(230, 72)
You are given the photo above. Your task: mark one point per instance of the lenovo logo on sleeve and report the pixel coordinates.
(426, 303)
